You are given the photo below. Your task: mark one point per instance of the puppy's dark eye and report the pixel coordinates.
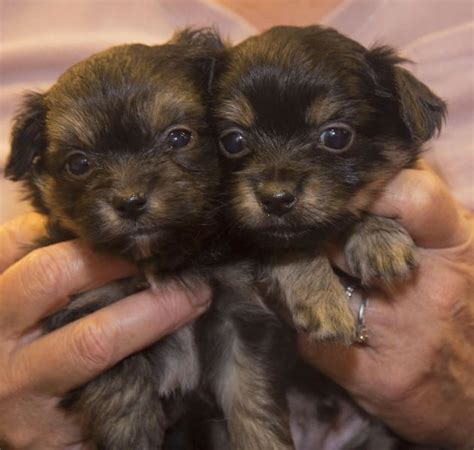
(179, 138)
(233, 144)
(337, 138)
(78, 165)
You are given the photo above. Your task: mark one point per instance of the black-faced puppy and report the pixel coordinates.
(118, 152)
(311, 126)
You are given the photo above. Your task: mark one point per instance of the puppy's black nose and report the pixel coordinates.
(277, 203)
(130, 207)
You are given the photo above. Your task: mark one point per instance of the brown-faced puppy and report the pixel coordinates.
(118, 152)
(312, 125)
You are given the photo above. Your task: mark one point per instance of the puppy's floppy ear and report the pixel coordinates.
(28, 139)
(420, 109)
(205, 48)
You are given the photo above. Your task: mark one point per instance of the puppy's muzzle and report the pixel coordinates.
(276, 202)
(130, 206)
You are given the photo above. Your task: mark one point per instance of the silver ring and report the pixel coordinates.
(362, 332)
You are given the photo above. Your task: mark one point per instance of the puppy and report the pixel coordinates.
(312, 125)
(119, 153)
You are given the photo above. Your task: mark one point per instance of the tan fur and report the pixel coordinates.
(248, 208)
(379, 249)
(314, 297)
(245, 204)
(163, 106)
(324, 109)
(76, 121)
(238, 110)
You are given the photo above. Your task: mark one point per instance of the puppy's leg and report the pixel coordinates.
(122, 408)
(380, 249)
(255, 418)
(246, 372)
(314, 296)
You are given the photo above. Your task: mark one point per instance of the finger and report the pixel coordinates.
(361, 369)
(422, 203)
(73, 355)
(355, 366)
(338, 259)
(347, 366)
(18, 235)
(44, 279)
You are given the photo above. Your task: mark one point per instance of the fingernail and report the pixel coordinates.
(199, 292)
(195, 290)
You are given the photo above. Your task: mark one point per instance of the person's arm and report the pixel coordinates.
(416, 371)
(36, 370)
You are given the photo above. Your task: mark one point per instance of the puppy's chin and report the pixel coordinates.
(136, 242)
(143, 245)
(283, 237)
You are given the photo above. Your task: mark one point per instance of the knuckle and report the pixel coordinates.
(93, 345)
(452, 306)
(428, 191)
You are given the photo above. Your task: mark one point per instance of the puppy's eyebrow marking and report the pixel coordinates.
(74, 123)
(323, 108)
(237, 109)
(170, 105)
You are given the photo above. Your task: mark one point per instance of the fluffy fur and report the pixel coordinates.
(312, 125)
(105, 155)
(119, 153)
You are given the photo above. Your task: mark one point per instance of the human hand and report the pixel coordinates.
(416, 372)
(35, 370)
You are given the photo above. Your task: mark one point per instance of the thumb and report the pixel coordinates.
(421, 202)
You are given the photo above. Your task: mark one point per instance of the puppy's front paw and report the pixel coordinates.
(380, 249)
(326, 318)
